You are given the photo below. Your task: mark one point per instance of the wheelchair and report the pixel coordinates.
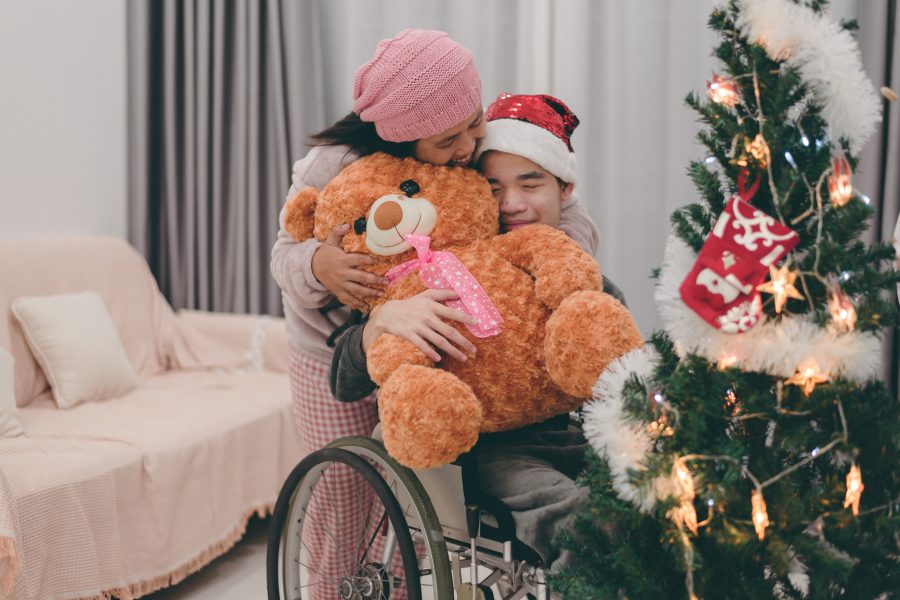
(452, 541)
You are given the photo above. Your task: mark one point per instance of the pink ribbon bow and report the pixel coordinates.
(442, 271)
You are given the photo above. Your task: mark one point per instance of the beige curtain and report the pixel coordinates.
(221, 95)
(879, 168)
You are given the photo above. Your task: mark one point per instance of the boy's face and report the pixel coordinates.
(526, 192)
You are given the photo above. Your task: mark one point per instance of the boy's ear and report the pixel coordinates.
(299, 215)
(567, 190)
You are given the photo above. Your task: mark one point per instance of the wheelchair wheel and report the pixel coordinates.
(436, 578)
(362, 575)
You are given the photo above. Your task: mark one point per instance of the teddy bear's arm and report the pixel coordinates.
(388, 353)
(559, 266)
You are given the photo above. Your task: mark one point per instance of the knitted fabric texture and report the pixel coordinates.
(418, 84)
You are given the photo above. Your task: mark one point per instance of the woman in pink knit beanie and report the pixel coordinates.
(419, 96)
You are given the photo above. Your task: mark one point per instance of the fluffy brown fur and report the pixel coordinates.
(559, 329)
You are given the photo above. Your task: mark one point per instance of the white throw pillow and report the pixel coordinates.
(74, 340)
(9, 414)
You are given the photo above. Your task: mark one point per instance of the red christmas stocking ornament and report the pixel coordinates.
(735, 258)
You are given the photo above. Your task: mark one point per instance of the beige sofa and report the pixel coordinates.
(123, 496)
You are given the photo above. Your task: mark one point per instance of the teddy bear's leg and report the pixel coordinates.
(428, 416)
(587, 332)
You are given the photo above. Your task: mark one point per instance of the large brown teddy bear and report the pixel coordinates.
(558, 329)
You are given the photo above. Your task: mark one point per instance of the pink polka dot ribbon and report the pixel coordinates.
(443, 271)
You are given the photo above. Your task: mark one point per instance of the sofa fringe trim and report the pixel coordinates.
(143, 588)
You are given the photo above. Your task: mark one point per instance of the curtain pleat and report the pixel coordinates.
(878, 175)
(213, 129)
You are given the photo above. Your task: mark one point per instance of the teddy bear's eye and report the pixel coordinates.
(409, 187)
(359, 225)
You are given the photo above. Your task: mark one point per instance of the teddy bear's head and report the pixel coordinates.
(385, 198)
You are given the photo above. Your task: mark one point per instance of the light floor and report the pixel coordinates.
(238, 575)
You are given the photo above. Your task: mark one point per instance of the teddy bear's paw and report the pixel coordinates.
(559, 279)
(587, 332)
(388, 353)
(429, 417)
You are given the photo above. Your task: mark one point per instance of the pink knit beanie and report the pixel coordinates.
(418, 84)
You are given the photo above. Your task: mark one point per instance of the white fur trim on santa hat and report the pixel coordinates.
(532, 142)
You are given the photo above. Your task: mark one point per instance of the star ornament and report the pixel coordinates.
(781, 286)
(807, 377)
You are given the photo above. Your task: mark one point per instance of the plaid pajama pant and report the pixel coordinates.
(348, 508)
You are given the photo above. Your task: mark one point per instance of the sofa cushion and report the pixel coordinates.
(75, 342)
(106, 265)
(212, 445)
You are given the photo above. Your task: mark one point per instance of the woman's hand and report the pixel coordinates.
(339, 272)
(420, 320)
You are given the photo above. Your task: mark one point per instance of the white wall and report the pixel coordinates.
(62, 118)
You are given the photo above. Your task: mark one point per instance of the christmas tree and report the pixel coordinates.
(749, 449)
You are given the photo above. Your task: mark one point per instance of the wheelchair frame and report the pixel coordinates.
(455, 536)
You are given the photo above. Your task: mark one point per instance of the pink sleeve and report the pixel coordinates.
(291, 263)
(578, 225)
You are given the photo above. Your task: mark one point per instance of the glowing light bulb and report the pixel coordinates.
(855, 489)
(790, 158)
(760, 516)
(727, 361)
(723, 90)
(840, 182)
(759, 149)
(843, 313)
(683, 481)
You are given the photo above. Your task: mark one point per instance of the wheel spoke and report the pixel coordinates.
(372, 539)
(362, 536)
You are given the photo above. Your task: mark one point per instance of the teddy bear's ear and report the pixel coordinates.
(299, 216)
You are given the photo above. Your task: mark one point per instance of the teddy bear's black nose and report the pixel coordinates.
(359, 225)
(409, 187)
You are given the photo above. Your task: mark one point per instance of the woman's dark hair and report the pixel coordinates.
(361, 137)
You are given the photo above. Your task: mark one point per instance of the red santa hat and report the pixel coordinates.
(536, 127)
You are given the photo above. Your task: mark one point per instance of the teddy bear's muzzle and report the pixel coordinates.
(392, 218)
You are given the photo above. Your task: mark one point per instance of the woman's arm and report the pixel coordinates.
(312, 272)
